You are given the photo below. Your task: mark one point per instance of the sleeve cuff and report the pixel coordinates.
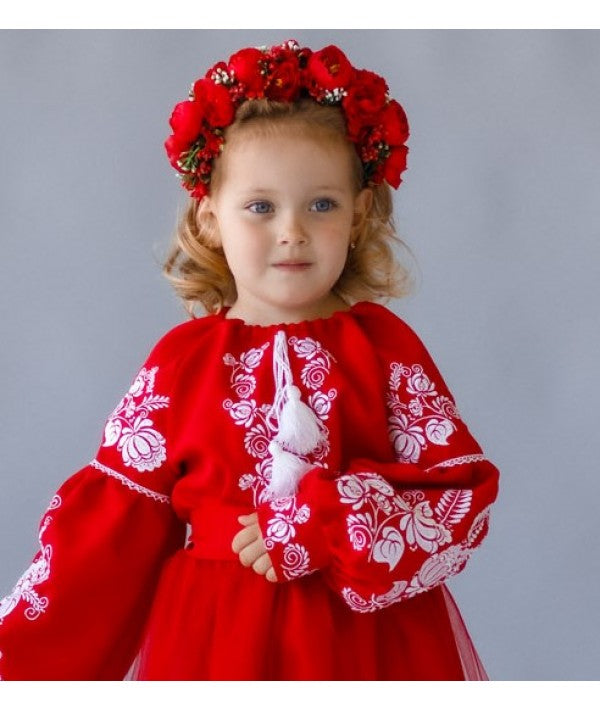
(293, 537)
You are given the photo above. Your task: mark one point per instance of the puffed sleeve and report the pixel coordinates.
(78, 611)
(383, 531)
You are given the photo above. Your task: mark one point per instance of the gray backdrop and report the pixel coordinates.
(499, 203)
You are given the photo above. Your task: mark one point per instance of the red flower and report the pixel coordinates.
(329, 68)
(304, 54)
(395, 124)
(246, 66)
(394, 165)
(212, 144)
(219, 67)
(199, 191)
(285, 80)
(375, 124)
(174, 149)
(367, 94)
(186, 121)
(215, 101)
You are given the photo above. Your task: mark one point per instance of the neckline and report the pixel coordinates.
(335, 316)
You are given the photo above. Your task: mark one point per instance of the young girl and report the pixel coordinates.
(300, 429)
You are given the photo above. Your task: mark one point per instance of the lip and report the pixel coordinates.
(292, 265)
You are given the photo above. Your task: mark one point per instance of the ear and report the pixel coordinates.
(362, 206)
(206, 220)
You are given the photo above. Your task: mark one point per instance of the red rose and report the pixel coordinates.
(215, 101)
(365, 139)
(186, 121)
(367, 93)
(281, 53)
(285, 80)
(246, 66)
(394, 165)
(329, 68)
(395, 124)
(174, 149)
(304, 55)
(218, 67)
(357, 123)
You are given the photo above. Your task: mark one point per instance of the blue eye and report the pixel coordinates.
(329, 204)
(259, 204)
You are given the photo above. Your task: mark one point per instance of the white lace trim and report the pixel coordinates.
(469, 458)
(160, 497)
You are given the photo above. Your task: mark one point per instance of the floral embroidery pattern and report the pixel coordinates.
(386, 522)
(435, 570)
(427, 417)
(281, 529)
(255, 418)
(261, 430)
(35, 574)
(246, 412)
(242, 379)
(131, 429)
(318, 361)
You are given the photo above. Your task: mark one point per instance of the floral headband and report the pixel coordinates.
(375, 123)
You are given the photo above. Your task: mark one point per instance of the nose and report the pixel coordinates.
(292, 230)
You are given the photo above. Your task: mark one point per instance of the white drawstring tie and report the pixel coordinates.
(298, 429)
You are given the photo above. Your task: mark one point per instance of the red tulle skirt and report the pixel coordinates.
(213, 619)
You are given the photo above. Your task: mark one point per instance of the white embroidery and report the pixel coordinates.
(453, 506)
(427, 417)
(282, 528)
(131, 429)
(435, 569)
(376, 601)
(318, 361)
(374, 529)
(478, 527)
(37, 572)
(438, 568)
(242, 379)
(160, 497)
(256, 419)
(296, 561)
(261, 430)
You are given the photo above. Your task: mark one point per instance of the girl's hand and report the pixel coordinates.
(249, 545)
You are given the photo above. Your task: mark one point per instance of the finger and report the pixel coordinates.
(244, 537)
(271, 576)
(248, 519)
(251, 553)
(262, 564)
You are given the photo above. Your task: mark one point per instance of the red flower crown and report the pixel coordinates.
(375, 123)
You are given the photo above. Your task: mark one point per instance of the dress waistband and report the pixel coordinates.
(213, 529)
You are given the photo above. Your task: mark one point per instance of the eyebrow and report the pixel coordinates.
(263, 190)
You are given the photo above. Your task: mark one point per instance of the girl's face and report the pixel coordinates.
(284, 211)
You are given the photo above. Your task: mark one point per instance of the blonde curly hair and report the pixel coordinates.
(197, 268)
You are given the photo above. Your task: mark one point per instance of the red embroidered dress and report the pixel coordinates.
(395, 500)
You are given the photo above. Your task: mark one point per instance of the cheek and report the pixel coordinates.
(243, 254)
(336, 250)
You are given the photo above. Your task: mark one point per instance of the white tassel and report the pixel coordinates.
(298, 430)
(298, 426)
(286, 470)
